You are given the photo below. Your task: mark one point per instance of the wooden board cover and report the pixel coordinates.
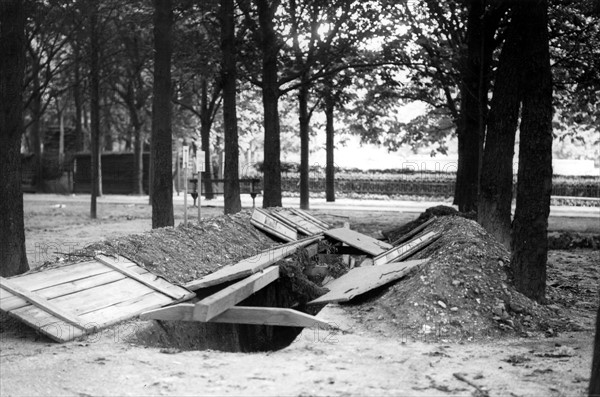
(300, 223)
(366, 244)
(269, 224)
(249, 266)
(363, 279)
(70, 301)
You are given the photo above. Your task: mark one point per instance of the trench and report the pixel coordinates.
(291, 290)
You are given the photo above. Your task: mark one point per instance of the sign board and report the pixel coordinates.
(200, 161)
(186, 152)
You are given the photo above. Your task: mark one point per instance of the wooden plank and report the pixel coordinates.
(398, 252)
(41, 303)
(417, 248)
(367, 244)
(241, 315)
(301, 224)
(126, 309)
(363, 279)
(217, 303)
(170, 290)
(249, 266)
(47, 324)
(310, 218)
(414, 231)
(271, 225)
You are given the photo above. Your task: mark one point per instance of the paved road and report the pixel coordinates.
(315, 203)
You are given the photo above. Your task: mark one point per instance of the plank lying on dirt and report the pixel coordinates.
(363, 279)
(217, 303)
(251, 265)
(365, 243)
(41, 303)
(396, 253)
(414, 231)
(300, 223)
(72, 300)
(271, 225)
(240, 315)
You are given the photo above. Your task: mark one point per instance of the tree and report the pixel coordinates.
(530, 225)
(232, 184)
(161, 143)
(94, 107)
(496, 180)
(13, 258)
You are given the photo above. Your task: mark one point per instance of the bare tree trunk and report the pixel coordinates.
(138, 155)
(530, 226)
(78, 102)
(94, 108)
(495, 198)
(205, 126)
(232, 183)
(304, 119)
(13, 257)
(329, 148)
(36, 125)
(270, 92)
(161, 144)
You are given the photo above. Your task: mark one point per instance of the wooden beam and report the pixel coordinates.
(268, 223)
(397, 253)
(366, 244)
(112, 263)
(249, 266)
(310, 218)
(216, 304)
(240, 315)
(43, 304)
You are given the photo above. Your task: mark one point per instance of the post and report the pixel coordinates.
(185, 149)
(199, 168)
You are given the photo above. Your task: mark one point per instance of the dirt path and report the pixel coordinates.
(358, 362)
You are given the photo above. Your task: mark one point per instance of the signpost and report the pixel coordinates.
(199, 169)
(185, 156)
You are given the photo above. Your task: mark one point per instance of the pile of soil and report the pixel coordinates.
(187, 252)
(463, 292)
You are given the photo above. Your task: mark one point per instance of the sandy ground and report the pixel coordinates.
(360, 360)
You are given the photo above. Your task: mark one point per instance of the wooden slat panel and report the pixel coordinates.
(170, 290)
(367, 244)
(49, 325)
(127, 309)
(240, 315)
(397, 252)
(270, 224)
(310, 218)
(40, 302)
(303, 225)
(250, 265)
(217, 303)
(64, 274)
(362, 279)
(14, 302)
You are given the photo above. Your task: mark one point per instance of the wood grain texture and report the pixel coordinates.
(217, 303)
(269, 224)
(399, 251)
(365, 243)
(363, 279)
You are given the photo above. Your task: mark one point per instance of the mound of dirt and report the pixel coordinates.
(440, 210)
(463, 292)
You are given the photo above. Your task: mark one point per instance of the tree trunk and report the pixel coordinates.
(530, 226)
(270, 92)
(495, 198)
(13, 257)
(232, 183)
(473, 109)
(95, 109)
(138, 155)
(329, 149)
(61, 139)
(205, 127)
(36, 125)
(161, 144)
(304, 119)
(78, 102)
(594, 390)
